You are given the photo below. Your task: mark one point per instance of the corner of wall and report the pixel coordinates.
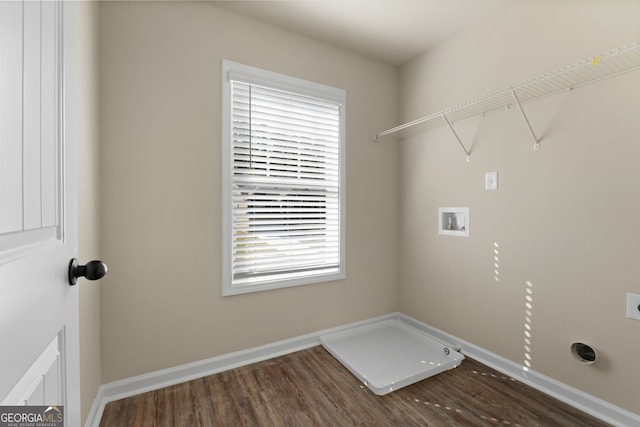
(88, 200)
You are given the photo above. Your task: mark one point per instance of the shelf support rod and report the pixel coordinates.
(467, 152)
(536, 142)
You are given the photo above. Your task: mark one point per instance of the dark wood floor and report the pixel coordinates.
(311, 388)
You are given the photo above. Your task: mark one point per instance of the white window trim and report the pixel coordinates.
(235, 71)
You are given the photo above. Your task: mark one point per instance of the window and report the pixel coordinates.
(283, 162)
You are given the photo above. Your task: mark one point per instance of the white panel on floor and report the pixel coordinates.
(389, 355)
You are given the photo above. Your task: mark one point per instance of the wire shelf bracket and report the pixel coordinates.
(467, 152)
(609, 64)
(536, 141)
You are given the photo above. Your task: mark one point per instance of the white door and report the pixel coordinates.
(39, 352)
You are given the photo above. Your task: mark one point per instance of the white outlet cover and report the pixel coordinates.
(633, 306)
(491, 181)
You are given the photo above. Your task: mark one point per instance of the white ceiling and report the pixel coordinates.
(392, 31)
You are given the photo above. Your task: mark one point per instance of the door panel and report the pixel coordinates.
(31, 120)
(42, 382)
(28, 117)
(49, 119)
(11, 117)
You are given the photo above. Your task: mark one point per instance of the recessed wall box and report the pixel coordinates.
(491, 181)
(633, 306)
(453, 221)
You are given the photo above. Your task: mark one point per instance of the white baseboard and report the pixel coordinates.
(155, 380)
(578, 399)
(166, 377)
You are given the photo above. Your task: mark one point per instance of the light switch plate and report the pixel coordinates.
(491, 181)
(633, 306)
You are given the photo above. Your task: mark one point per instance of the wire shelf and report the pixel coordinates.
(587, 71)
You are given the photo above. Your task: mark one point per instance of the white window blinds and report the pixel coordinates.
(285, 187)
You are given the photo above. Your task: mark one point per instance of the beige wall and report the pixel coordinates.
(160, 92)
(564, 220)
(88, 199)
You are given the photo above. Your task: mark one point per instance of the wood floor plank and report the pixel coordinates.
(311, 388)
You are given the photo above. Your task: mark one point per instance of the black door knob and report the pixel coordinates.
(93, 270)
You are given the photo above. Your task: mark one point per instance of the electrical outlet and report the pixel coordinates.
(633, 306)
(491, 181)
